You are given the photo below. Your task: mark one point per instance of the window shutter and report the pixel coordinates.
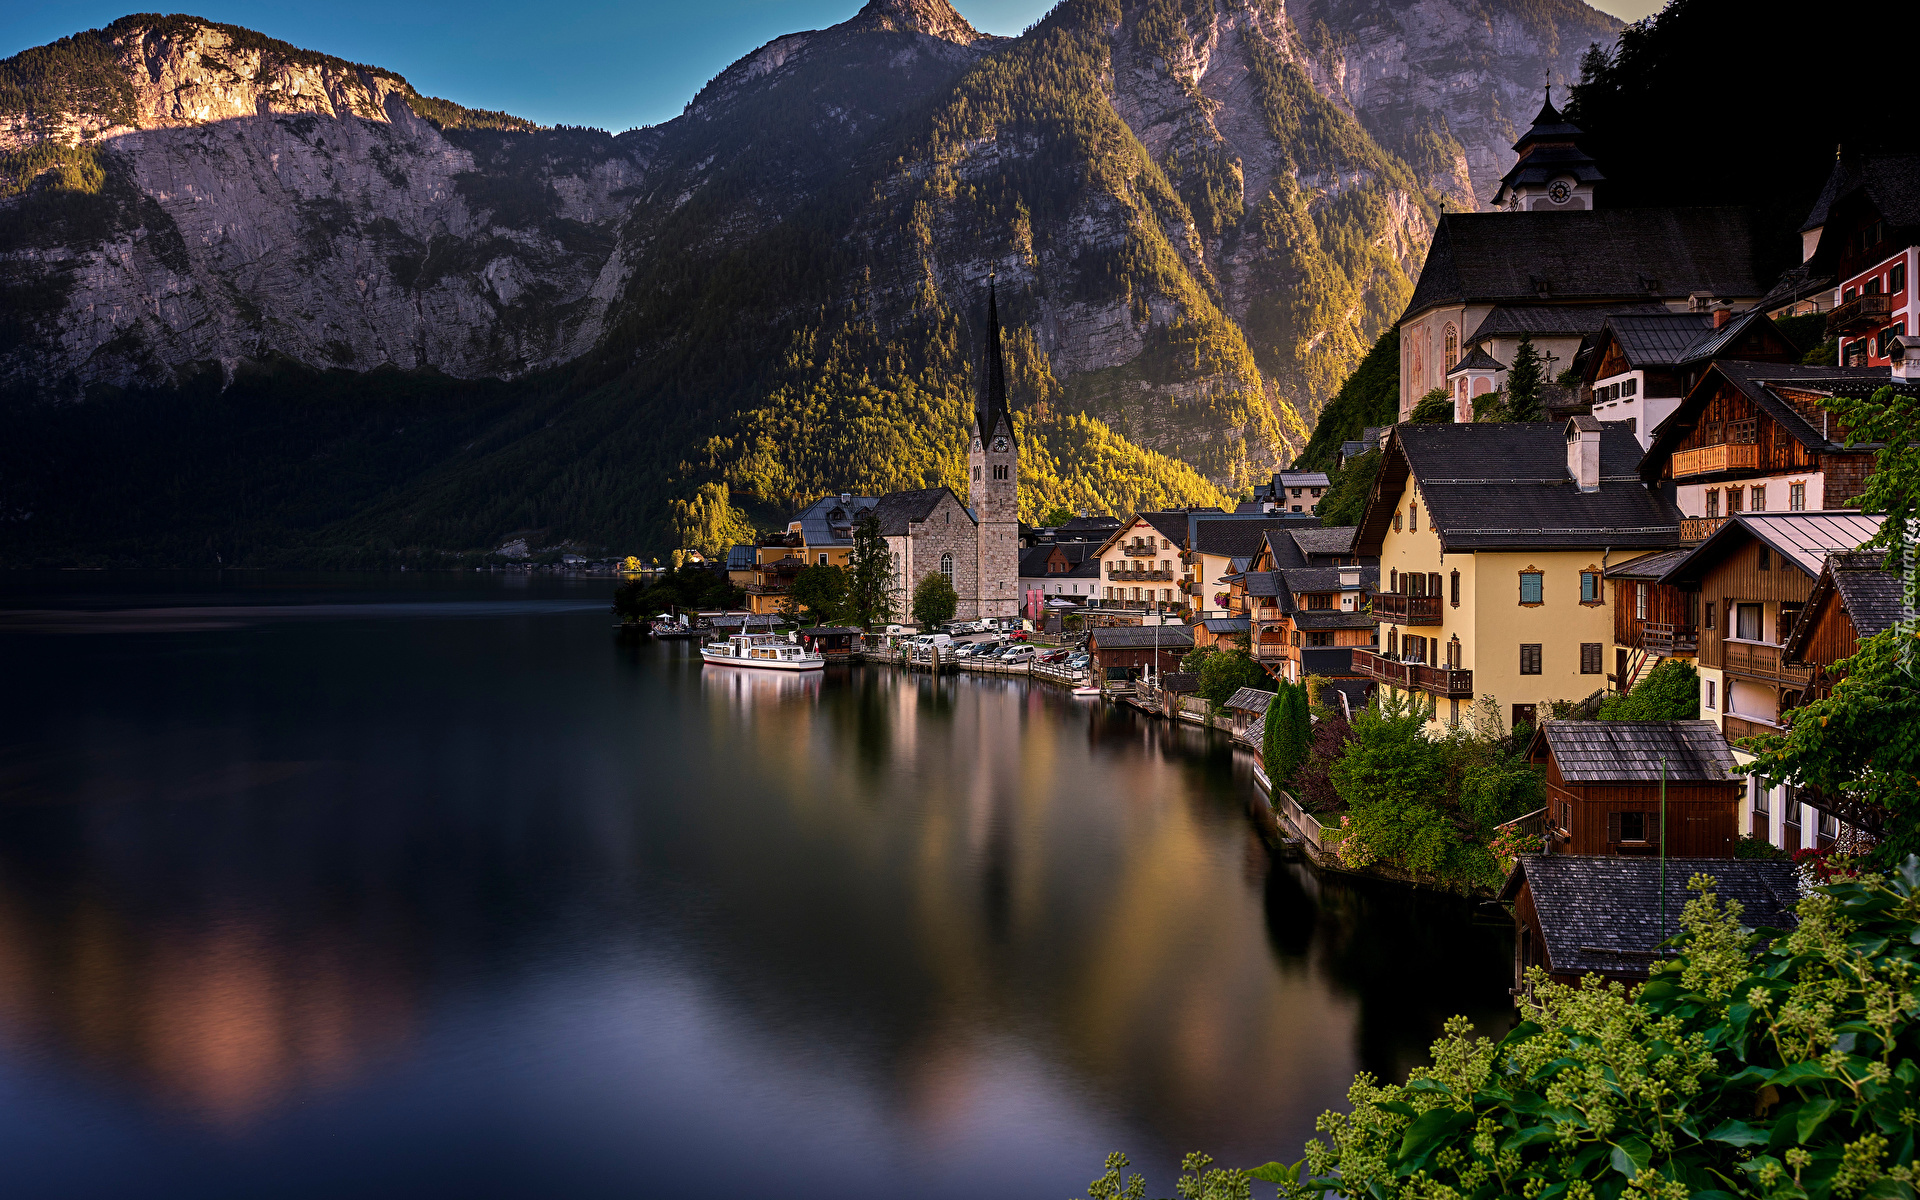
(1456, 589)
(1433, 584)
(1613, 827)
(1653, 826)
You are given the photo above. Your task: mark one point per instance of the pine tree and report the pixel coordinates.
(870, 574)
(1434, 408)
(1270, 736)
(1300, 730)
(1523, 384)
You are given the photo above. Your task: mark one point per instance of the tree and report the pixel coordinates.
(869, 575)
(1313, 781)
(1751, 1064)
(708, 522)
(1346, 499)
(934, 600)
(1434, 408)
(689, 586)
(1669, 692)
(1861, 742)
(1270, 728)
(1524, 379)
(1490, 407)
(1057, 517)
(1226, 671)
(820, 590)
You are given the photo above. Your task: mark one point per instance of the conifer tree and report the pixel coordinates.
(1523, 384)
(870, 574)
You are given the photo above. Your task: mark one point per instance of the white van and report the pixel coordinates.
(934, 639)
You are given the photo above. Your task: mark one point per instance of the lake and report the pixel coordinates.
(430, 885)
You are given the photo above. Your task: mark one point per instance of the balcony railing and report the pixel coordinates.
(1736, 727)
(1760, 660)
(1861, 312)
(1699, 529)
(1660, 637)
(1449, 682)
(1164, 576)
(1269, 651)
(1727, 456)
(1406, 610)
(1141, 550)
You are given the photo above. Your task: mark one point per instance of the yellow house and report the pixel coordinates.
(1493, 543)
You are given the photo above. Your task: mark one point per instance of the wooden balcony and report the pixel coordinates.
(1736, 727)
(1660, 637)
(1859, 313)
(1699, 529)
(1142, 550)
(1143, 576)
(1759, 660)
(1447, 682)
(1406, 610)
(1727, 456)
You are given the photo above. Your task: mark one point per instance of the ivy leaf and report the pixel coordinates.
(1631, 1156)
(1798, 1073)
(1812, 1114)
(1274, 1172)
(1739, 1133)
(1431, 1128)
(1529, 1137)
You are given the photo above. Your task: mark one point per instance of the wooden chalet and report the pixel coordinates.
(1640, 366)
(1854, 598)
(1753, 578)
(1130, 649)
(1604, 788)
(1583, 915)
(1651, 620)
(1758, 437)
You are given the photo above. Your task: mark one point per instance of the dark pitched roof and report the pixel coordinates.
(1632, 751)
(1325, 539)
(1094, 524)
(1319, 619)
(1234, 539)
(1286, 549)
(1219, 626)
(829, 521)
(1325, 579)
(1649, 566)
(1033, 561)
(1169, 525)
(1491, 486)
(1249, 700)
(1263, 583)
(741, 557)
(1596, 255)
(1602, 914)
(1554, 320)
(1759, 382)
(1294, 479)
(1871, 595)
(1657, 339)
(1477, 359)
(896, 509)
(1142, 637)
(1891, 181)
(1712, 341)
(1804, 539)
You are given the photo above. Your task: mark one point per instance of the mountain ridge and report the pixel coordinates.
(1197, 234)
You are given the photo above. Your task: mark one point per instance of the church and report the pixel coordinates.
(1550, 262)
(974, 542)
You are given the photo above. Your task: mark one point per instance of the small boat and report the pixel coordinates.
(762, 650)
(1086, 689)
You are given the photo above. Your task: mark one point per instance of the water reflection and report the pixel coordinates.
(852, 933)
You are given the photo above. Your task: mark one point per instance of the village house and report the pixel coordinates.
(1126, 651)
(1609, 782)
(1760, 437)
(1214, 543)
(1754, 577)
(1137, 564)
(1652, 621)
(1639, 367)
(1861, 248)
(1292, 492)
(1058, 574)
(1491, 541)
(1550, 266)
(1605, 915)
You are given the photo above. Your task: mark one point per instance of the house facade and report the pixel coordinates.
(1492, 541)
(1138, 563)
(1638, 788)
(1639, 368)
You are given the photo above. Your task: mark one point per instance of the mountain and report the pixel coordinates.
(452, 326)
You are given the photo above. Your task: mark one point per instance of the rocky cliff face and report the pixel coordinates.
(1200, 214)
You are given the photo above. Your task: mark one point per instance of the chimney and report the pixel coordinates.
(1583, 452)
(1905, 353)
(1722, 313)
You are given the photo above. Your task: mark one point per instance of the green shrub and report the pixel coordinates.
(1669, 692)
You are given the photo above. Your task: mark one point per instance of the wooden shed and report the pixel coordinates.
(1604, 787)
(1129, 647)
(836, 643)
(1604, 915)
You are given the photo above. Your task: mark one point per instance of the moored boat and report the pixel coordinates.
(762, 650)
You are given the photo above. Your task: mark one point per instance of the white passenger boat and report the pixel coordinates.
(762, 650)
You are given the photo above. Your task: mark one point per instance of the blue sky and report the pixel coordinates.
(577, 62)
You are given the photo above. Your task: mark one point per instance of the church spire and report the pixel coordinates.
(994, 410)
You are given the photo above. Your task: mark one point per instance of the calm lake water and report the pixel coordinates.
(429, 886)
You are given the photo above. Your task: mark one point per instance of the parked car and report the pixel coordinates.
(1017, 654)
(1056, 656)
(989, 649)
(1017, 635)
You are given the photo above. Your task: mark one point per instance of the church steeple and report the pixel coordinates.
(1552, 173)
(993, 409)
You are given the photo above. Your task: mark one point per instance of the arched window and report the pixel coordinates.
(946, 565)
(1453, 346)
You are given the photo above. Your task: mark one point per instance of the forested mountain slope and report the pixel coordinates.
(1200, 215)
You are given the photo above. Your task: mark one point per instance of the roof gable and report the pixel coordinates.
(1803, 539)
(1595, 752)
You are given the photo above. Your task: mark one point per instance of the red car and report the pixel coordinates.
(1018, 635)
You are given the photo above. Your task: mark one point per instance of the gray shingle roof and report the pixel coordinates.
(1223, 626)
(1603, 914)
(1234, 539)
(1326, 539)
(1649, 566)
(1553, 320)
(1326, 579)
(1657, 339)
(1139, 637)
(1263, 583)
(1631, 751)
(897, 509)
(1712, 341)
(829, 520)
(1318, 619)
(1872, 595)
(1477, 359)
(1491, 486)
(1251, 700)
(1596, 255)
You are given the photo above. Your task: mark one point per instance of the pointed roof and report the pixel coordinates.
(990, 414)
(1477, 360)
(1551, 147)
